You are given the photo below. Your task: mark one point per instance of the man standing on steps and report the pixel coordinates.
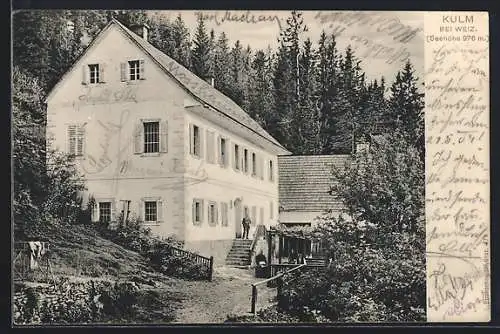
(246, 225)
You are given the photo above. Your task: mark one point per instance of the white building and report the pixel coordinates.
(154, 139)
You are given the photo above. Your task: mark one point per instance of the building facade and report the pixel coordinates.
(153, 139)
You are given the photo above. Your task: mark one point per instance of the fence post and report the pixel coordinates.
(279, 291)
(254, 298)
(211, 268)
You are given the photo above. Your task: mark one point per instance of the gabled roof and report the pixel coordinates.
(197, 87)
(305, 181)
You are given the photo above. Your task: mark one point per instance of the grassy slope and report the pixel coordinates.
(79, 252)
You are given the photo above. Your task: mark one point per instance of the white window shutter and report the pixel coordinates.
(164, 136)
(202, 142)
(141, 69)
(101, 72)
(216, 214)
(191, 139)
(123, 71)
(80, 142)
(210, 147)
(159, 212)
(138, 140)
(85, 74)
(94, 216)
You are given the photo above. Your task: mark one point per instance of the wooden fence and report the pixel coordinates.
(206, 262)
(276, 279)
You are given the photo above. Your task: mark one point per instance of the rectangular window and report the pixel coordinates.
(151, 137)
(76, 138)
(150, 211)
(254, 165)
(245, 161)
(212, 213)
(271, 210)
(135, 69)
(261, 215)
(104, 212)
(195, 141)
(271, 171)
(236, 157)
(222, 152)
(197, 211)
(94, 73)
(224, 213)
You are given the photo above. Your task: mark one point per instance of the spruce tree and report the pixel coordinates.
(201, 51)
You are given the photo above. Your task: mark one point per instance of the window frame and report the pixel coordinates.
(245, 161)
(146, 202)
(270, 166)
(200, 206)
(254, 164)
(237, 157)
(99, 208)
(213, 216)
(223, 154)
(145, 137)
(94, 73)
(196, 149)
(134, 65)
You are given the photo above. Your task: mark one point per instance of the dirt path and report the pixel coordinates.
(228, 293)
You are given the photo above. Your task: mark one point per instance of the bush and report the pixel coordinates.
(134, 236)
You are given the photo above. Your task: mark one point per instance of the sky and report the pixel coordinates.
(383, 41)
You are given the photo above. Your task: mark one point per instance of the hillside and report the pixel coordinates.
(78, 252)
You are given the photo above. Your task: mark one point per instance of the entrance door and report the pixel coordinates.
(237, 219)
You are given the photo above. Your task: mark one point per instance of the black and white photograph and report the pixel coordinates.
(218, 167)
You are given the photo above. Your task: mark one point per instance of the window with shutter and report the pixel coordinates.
(197, 211)
(212, 213)
(271, 171)
(223, 156)
(236, 161)
(195, 134)
(245, 161)
(254, 164)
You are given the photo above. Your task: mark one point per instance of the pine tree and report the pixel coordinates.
(305, 121)
(201, 51)
(259, 93)
(406, 106)
(180, 35)
(236, 68)
(221, 61)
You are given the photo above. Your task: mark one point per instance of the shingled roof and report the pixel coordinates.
(304, 182)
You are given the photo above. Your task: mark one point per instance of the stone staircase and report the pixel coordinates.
(239, 255)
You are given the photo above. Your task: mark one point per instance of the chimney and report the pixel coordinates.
(211, 81)
(141, 30)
